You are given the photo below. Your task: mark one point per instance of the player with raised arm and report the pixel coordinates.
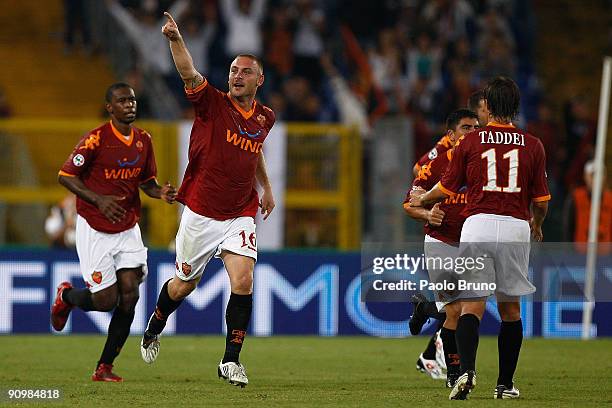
(105, 171)
(504, 169)
(443, 222)
(220, 197)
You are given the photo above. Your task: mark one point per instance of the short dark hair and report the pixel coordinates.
(503, 98)
(117, 85)
(455, 117)
(474, 100)
(254, 58)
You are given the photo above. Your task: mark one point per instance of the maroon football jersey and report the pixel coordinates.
(224, 148)
(429, 175)
(443, 145)
(504, 169)
(110, 164)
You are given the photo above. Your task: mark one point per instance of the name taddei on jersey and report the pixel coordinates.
(506, 138)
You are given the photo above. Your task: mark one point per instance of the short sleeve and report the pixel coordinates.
(454, 177)
(540, 190)
(427, 157)
(82, 156)
(204, 98)
(424, 178)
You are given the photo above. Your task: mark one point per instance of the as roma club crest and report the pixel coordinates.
(186, 268)
(261, 119)
(97, 277)
(139, 146)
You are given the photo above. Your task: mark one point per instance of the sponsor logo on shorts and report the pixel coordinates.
(96, 277)
(186, 268)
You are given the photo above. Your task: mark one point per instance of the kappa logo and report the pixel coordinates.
(186, 268)
(97, 277)
(78, 160)
(92, 141)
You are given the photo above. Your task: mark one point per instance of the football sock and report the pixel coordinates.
(431, 310)
(80, 298)
(118, 332)
(451, 357)
(509, 344)
(237, 317)
(165, 307)
(466, 336)
(430, 351)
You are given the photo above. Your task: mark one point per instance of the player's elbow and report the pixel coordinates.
(541, 206)
(412, 212)
(540, 209)
(61, 179)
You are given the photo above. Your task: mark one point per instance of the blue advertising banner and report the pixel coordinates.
(306, 293)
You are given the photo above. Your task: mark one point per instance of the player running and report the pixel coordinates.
(105, 171)
(218, 190)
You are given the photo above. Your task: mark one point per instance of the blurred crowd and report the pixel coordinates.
(347, 61)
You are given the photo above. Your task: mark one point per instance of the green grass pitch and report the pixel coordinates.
(299, 372)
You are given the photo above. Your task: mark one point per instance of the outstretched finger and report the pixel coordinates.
(170, 19)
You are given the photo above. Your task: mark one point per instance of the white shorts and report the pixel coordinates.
(199, 238)
(101, 255)
(434, 248)
(504, 241)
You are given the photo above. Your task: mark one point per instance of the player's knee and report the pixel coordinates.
(106, 302)
(128, 300)
(451, 319)
(473, 307)
(243, 284)
(179, 289)
(509, 311)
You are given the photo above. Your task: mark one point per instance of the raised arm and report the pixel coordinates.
(267, 199)
(182, 59)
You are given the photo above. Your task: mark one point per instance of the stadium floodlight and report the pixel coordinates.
(600, 147)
